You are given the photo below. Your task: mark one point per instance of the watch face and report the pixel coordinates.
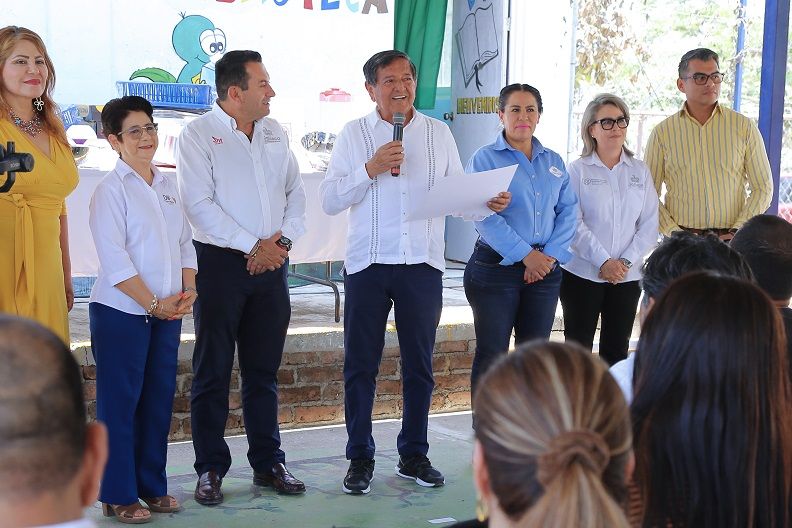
(285, 243)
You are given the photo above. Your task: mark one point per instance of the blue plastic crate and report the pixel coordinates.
(169, 95)
(70, 115)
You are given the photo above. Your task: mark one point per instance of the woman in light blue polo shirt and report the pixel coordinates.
(512, 279)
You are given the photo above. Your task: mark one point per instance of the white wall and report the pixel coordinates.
(95, 43)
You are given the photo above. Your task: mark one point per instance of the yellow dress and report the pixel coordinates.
(31, 269)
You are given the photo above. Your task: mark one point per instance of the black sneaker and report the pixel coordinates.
(359, 476)
(419, 469)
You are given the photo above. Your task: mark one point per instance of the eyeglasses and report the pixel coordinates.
(702, 78)
(607, 123)
(136, 132)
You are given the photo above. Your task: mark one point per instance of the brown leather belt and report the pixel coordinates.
(714, 230)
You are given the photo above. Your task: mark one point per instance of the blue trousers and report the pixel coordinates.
(502, 301)
(135, 382)
(416, 291)
(251, 312)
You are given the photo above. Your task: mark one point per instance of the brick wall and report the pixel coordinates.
(311, 386)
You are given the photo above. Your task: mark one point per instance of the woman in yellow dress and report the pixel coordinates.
(35, 269)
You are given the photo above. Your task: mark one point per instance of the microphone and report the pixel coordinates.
(398, 134)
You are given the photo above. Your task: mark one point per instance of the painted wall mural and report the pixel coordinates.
(199, 44)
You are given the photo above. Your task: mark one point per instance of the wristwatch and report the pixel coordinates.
(626, 262)
(285, 243)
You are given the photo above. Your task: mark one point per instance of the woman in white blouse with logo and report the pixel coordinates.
(145, 285)
(618, 227)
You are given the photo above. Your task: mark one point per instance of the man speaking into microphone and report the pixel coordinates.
(390, 261)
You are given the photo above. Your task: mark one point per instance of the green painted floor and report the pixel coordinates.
(316, 457)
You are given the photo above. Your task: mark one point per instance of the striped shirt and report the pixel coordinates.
(716, 175)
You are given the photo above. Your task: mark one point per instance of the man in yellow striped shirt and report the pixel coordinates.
(711, 159)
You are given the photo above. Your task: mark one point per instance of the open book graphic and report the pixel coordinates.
(477, 41)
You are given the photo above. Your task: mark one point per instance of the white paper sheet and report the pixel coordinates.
(466, 194)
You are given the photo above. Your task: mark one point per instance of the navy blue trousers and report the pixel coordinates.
(416, 292)
(502, 301)
(251, 312)
(135, 382)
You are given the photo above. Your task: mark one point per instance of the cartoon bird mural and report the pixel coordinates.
(200, 44)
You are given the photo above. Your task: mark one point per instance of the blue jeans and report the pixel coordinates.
(502, 301)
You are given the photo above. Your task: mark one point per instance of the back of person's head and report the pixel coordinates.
(765, 241)
(554, 432)
(711, 412)
(684, 252)
(43, 432)
(42, 417)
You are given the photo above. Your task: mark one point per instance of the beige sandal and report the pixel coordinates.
(127, 514)
(164, 504)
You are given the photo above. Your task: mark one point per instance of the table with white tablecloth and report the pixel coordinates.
(324, 240)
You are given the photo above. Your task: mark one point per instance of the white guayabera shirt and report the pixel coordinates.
(379, 232)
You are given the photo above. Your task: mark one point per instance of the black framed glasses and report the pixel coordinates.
(607, 123)
(136, 132)
(702, 78)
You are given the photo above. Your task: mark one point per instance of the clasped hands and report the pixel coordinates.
(537, 266)
(613, 271)
(266, 255)
(176, 306)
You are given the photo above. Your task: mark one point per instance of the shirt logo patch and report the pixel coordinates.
(636, 182)
(594, 181)
(555, 171)
(270, 137)
(217, 140)
(169, 199)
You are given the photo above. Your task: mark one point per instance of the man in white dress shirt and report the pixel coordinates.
(390, 261)
(51, 460)
(241, 190)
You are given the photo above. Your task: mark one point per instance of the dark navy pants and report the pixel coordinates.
(416, 292)
(502, 301)
(135, 382)
(251, 312)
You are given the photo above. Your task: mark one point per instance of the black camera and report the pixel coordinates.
(12, 162)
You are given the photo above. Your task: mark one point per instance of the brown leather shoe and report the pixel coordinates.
(207, 490)
(280, 479)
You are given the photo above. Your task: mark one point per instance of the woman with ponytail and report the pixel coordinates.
(553, 441)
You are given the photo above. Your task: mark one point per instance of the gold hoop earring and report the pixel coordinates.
(481, 509)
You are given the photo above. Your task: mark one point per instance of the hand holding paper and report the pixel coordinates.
(468, 194)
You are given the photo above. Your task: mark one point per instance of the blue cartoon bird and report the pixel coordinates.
(197, 42)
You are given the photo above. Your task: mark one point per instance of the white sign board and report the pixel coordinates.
(478, 72)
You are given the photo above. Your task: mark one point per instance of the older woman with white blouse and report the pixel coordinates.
(618, 227)
(145, 285)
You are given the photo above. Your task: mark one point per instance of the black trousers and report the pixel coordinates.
(583, 301)
(251, 312)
